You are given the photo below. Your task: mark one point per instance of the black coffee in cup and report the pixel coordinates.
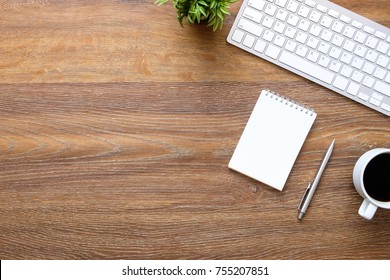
(376, 177)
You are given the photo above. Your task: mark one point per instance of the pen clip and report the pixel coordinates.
(305, 195)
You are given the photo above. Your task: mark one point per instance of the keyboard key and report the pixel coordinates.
(268, 22)
(326, 21)
(257, 4)
(281, 14)
(360, 51)
(268, 35)
(368, 68)
(349, 45)
(379, 73)
(290, 46)
(346, 57)
(303, 11)
(324, 61)
(292, 19)
(290, 32)
(337, 40)
(315, 16)
(270, 9)
(301, 51)
(324, 47)
(357, 63)
(371, 42)
(353, 88)
(377, 96)
(249, 40)
(312, 42)
(363, 96)
(335, 52)
(292, 6)
(380, 35)
(382, 60)
(346, 71)
(340, 83)
(321, 8)
(304, 25)
(313, 56)
(360, 37)
(335, 66)
(272, 51)
(252, 14)
(337, 26)
(301, 37)
(382, 88)
(357, 76)
(375, 101)
(385, 106)
(326, 35)
(382, 47)
(368, 29)
(357, 24)
(368, 81)
(310, 3)
(345, 19)
(306, 67)
(279, 27)
(333, 13)
(349, 31)
(281, 3)
(279, 40)
(238, 35)
(315, 30)
(250, 27)
(371, 55)
(260, 46)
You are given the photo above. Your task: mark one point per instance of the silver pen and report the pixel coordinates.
(311, 188)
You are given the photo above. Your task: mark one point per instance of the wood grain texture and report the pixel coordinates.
(117, 125)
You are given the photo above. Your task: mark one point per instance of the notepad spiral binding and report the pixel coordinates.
(289, 102)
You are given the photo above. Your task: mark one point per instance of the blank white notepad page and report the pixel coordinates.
(272, 139)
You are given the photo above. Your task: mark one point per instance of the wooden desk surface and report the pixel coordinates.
(117, 125)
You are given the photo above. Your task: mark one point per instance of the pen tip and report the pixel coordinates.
(332, 144)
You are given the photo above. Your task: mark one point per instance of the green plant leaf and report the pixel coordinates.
(160, 2)
(193, 11)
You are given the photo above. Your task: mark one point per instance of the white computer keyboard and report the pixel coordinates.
(322, 42)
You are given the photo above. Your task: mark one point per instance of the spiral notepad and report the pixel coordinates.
(272, 139)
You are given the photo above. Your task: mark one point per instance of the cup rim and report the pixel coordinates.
(379, 203)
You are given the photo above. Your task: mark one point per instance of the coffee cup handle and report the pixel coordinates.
(367, 210)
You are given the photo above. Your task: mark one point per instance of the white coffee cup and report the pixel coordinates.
(373, 183)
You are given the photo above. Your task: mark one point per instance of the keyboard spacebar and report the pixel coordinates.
(306, 67)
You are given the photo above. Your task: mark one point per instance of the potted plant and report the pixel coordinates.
(195, 11)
